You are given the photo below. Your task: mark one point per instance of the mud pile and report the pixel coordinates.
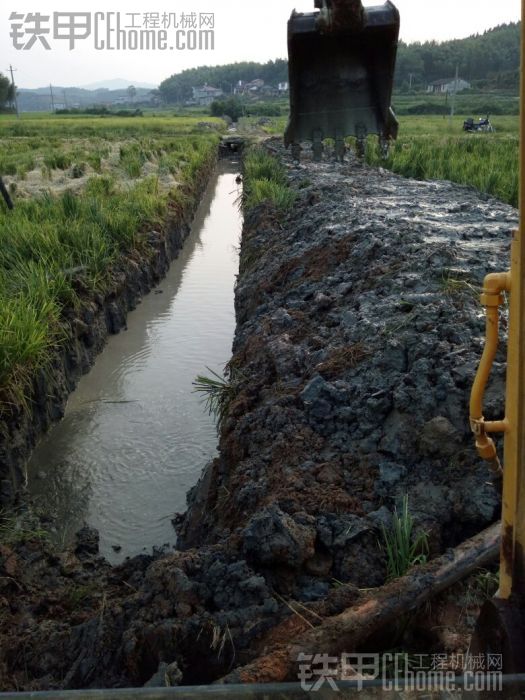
(358, 335)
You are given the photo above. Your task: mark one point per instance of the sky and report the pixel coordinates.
(244, 30)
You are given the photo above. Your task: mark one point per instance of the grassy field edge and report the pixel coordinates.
(36, 393)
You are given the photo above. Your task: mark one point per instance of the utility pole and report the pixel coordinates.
(52, 97)
(453, 105)
(15, 99)
(410, 77)
(65, 99)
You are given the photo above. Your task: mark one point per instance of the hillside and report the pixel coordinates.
(489, 60)
(177, 87)
(39, 99)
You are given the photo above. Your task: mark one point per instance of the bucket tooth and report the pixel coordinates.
(317, 145)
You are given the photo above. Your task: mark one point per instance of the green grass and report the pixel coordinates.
(38, 126)
(435, 147)
(15, 529)
(217, 392)
(60, 243)
(488, 162)
(480, 103)
(265, 180)
(404, 548)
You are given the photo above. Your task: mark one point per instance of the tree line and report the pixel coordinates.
(177, 88)
(489, 61)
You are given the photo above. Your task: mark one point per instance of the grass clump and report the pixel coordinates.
(217, 392)
(265, 180)
(403, 548)
(57, 160)
(15, 529)
(454, 287)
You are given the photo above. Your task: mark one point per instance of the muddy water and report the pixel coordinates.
(135, 437)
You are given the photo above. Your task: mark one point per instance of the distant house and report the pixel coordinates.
(205, 95)
(250, 88)
(283, 87)
(449, 86)
(253, 86)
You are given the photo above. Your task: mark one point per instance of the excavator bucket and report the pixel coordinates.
(341, 72)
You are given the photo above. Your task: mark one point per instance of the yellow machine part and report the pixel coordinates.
(512, 577)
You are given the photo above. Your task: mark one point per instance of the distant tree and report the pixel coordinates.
(132, 92)
(156, 95)
(485, 56)
(232, 107)
(6, 92)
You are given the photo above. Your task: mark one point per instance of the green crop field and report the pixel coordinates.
(86, 190)
(430, 147)
(436, 147)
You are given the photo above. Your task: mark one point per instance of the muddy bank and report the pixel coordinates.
(358, 334)
(85, 331)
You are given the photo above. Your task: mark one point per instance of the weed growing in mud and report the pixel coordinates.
(219, 640)
(79, 594)
(265, 180)
(217, 392)
(458, 287)
(15, 529)
(342, 359)
(403, 549)
(484, 585)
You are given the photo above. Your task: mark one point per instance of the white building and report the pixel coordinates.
(449, 86)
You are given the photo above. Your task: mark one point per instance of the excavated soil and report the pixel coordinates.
(358, 335)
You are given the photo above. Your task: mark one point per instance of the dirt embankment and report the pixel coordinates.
(85, 331)
(358, 335)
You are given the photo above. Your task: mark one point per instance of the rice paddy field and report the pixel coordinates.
(436, 147)
(87, 188)
(86, 191)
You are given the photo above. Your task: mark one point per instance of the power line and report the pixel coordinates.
(453, 105)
